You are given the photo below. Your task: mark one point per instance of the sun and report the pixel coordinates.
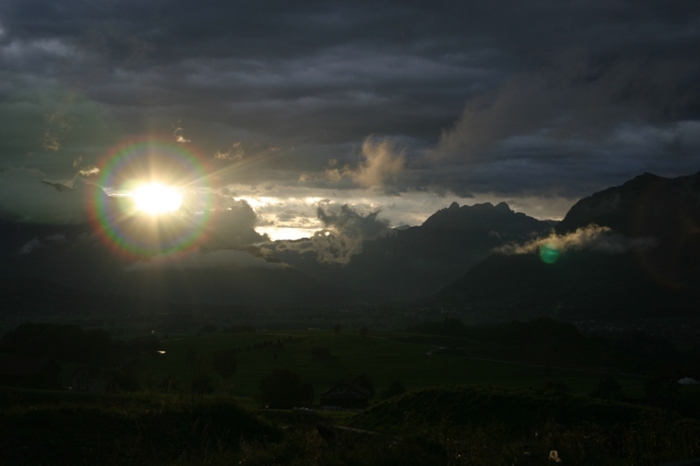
(156, 198)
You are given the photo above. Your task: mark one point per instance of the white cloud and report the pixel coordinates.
(235, 152)
(593, 238)
(180, 135)
(89, 171)
(383, 162)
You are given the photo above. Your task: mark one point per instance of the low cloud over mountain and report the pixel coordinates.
(592, 237)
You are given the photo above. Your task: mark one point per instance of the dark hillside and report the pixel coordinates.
(646, 205)
(579, 286)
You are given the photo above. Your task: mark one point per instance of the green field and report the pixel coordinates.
(379, 355)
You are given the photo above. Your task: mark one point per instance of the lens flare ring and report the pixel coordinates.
(549, 253)
(151, 164)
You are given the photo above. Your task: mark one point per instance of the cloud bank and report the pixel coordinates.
(503, 99)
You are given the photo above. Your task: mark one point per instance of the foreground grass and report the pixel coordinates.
(457, 426)
(476, 425)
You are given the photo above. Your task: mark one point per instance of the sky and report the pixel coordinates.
(284, 112)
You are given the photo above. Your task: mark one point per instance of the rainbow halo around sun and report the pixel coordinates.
(153, 198)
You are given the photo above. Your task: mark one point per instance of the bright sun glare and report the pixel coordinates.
(156, 198)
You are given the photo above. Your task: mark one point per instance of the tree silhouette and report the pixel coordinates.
(225, 363)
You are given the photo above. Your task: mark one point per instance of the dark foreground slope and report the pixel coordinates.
(479, 405)
(128, 430)
(488, 425)
(458, 426)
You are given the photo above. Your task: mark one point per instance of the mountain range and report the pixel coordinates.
(409, 263)
(627, 251)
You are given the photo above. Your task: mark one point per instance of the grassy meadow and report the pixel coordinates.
(383, 357)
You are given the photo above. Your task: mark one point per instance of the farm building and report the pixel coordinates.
(93, 380)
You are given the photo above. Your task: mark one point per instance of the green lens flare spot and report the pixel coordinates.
(549, 254)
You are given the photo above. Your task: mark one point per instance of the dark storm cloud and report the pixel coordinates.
(27, 196)
(365, 65)
(508, 97)
(575, 99)
(348, 222)
(231, 228)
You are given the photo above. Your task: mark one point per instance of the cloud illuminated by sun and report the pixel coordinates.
(156, 198)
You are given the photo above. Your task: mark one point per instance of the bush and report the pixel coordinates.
(396, 388)
(282, 389)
